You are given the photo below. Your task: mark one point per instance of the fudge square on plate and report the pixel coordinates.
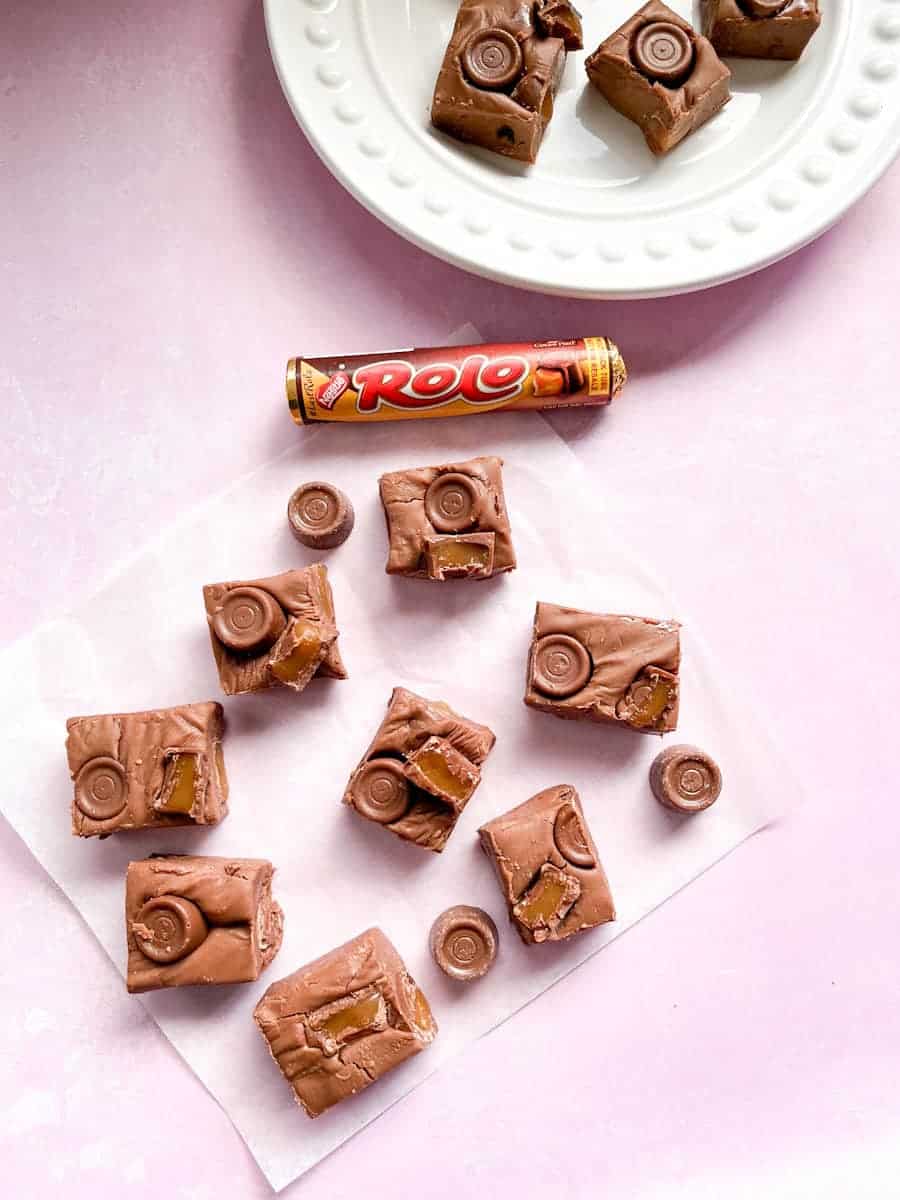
(501, 71)
(548, 867)
(602, 667)
(191, 919)
(340, 1023)
(420, 771)
(147, 770)
(279, 630)
(776, 29)
(660, 73)
(448, 522)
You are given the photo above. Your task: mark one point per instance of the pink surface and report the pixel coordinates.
(168, 238)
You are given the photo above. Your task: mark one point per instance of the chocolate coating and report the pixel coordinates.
(492, 59)
(101, 789)
(192, 920)
(320, 515)
(381, 791)
(548, 867)
(306, 648)
(562, 665)
(685, 779)
(424, 503)
(147, 770)
(663, 51)
(437, 752)
(570, 838)
(532, 93)
(169, 928)
(452, 502)
(656, 47)
(560, 19)
(338, 1024)
(634, 662)
(773, 29)
(249, 619)
(481, 94)
(463, 942)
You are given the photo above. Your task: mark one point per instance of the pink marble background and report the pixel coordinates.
(167, 238)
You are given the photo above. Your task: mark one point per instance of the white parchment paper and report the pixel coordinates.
(141, 642)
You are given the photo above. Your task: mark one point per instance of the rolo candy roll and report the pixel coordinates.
(453, 381)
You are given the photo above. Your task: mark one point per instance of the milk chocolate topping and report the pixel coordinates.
(437, 754)
(633, 676)
(453, 501)
(340, 1023)
(101, 788)
(301, 600)
(562, 665)
(571, 839)
(501, 71)
(197, 920)
(429, 503)
(381, 790)
(492, 59)
(147, 770)
(776, 29)
(548, 867)
(248, 619)
(663, 51)
(463, 942)
(168, 928)
(646, 73)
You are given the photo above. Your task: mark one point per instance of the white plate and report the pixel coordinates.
(597, 215)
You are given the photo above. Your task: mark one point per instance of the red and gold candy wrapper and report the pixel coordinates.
(453, 381)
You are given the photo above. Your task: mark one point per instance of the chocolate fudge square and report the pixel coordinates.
(602, 667)
(197, 920)
(548, 867)
(660, 73)
(448, 522)
(279, 630)
(147, 770)
(420, 771)
(777, 29)
(340, 1023)
(501, 72)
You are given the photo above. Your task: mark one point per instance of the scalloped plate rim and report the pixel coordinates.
(308, 117)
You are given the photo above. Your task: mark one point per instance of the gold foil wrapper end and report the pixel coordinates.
(292, 387)
(618, 370)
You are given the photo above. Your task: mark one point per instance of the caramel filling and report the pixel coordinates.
(336, 1024)
(547, 110)
(459, 555)
(436, 775)
(424, 1018)
(354, 1020)
(549, 899)
(303, 655)
(179, 784)
(649, 698)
